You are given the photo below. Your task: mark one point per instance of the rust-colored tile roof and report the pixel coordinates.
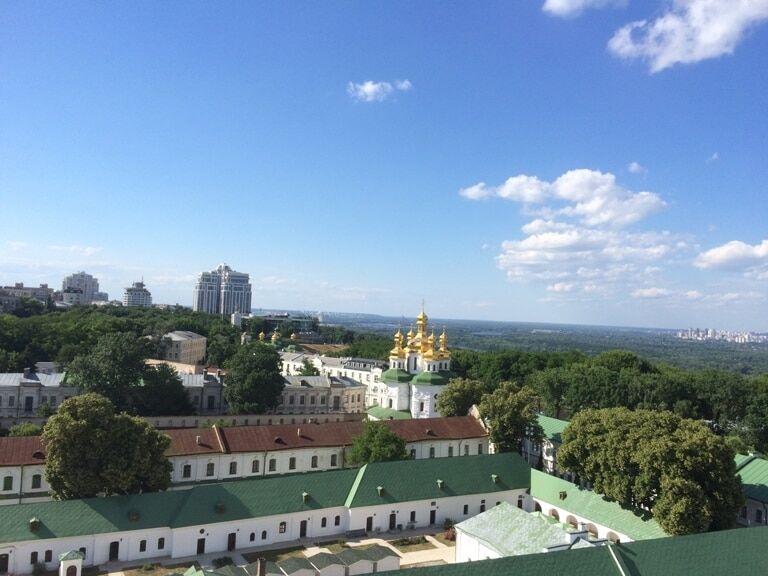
(184, 441)
(422, 429)
(21, 451)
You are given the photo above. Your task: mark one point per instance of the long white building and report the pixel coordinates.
(222, 291)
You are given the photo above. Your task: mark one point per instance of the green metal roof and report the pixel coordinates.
(552, 427)
(294, 564)
(410, 480)
(593, 506)
(203, 504)
(512, 531)
(430, 379)
(383, 413)
(753, 471)
(396, 376)
(325, 559)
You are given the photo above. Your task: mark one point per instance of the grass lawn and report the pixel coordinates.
(412, 544)
(157, 570)
(441, 538)
(273, 555)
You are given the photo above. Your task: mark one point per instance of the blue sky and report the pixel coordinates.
(577, 161)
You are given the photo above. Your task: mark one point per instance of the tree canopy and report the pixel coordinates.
(162, 393)
(510, 412)
(459, 395)
(254, 383)
(376, 443)
(91, 450)
(654, 460)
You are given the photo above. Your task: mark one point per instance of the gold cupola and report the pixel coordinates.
(262, 335)
(398, 351)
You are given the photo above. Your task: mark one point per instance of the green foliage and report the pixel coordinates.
(254, 383)
(366, 346)
(307, 369)
(222, 561)
(25, 429)
(376, 443)
(648, 460)
(162, 393)
(113, 368)
(91, 450)
(459, 395)
(510, 412)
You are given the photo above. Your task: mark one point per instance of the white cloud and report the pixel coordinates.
(593, 197)
(17, 245)
(714, 157)
(574, 7)
(734, 255)
(76, 249)
(693, 295)
(637, 168)
(560, 287)
(650, 293)
(688, 31)
(370, 91)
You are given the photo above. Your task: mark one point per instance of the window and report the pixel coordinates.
(450, 451)
(36, 481)
(291, 399)
(466, 509)
(82, 551)
(314, 461)
(337, 520)
(263, 534)
(466, 449)
(186, 471)
(232, 468)
(161, 543)
(322, 400)
(421, 406)
(11, 402)
(8, 483)
(143, 546)
(255, 466)
(209, 469)
(413, 516)
(311, 399)
(49, 555)
(480, 448)
(272, 464)
(53, 401)
(33, 558)
(283, 527)
(292, 463)
(431, 451)
(482, 505)
(301, 399)
(389, 403)
(253, 536)
(413, 454)
(323, 522)
(744, 512)
(333, 459)
(759, 516)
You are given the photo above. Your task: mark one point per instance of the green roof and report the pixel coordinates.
(593, 506)
(374, 553)
(753, 471)
(71, 555)
(430, 379)
(739, 552)
(325, 559)
(512, 531)
(202, 504)
(396, 376)
(552, 427)
(382, 413)
(294, 564)
(410, 480)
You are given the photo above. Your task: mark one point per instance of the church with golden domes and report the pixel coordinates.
(418, 370)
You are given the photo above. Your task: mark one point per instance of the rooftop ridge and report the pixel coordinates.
(355, 486)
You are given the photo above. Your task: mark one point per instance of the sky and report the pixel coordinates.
(570, 161)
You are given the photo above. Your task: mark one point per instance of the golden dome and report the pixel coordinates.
(262, 335)
(275, 336)
(293, 336)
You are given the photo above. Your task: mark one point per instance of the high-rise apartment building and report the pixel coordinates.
(137, 295)
(222, 291)
(88, 285)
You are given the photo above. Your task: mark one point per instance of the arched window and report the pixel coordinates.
(72, 571)
(263, 534)
(253, 536)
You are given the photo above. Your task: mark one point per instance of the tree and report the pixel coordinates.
(162, 393)
(376, 443)
(510, 412)
(307, 369)
(551, 385)
(91, 450)
(113, 368)
(25, 429)
(656, 461)
(459, 395)
(254, 383)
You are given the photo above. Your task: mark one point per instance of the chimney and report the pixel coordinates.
(197, 440)
(440, 484)
(27, 372)
(298, 432)
(380, 490)
(305, 497)
(205, 373)
(494, 478)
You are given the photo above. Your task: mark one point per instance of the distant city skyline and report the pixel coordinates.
(566, 161)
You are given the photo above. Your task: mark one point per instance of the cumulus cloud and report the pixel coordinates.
(76, 249)
(714, 157)
(734, 255)
(370, 91)
(637, 168)
(591, 196)
(560, 287)
(693, 295)
(688, 31)
(575, 7)
(653, 292)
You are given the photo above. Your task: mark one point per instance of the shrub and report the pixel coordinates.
(148, 567)
(222, 561)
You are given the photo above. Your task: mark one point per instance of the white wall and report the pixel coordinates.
(469, 549)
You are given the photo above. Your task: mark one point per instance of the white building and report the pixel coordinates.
(22, 393)
(222, 291)
(87, 284)
(387, 496)
(184, 347)
(137, 295)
